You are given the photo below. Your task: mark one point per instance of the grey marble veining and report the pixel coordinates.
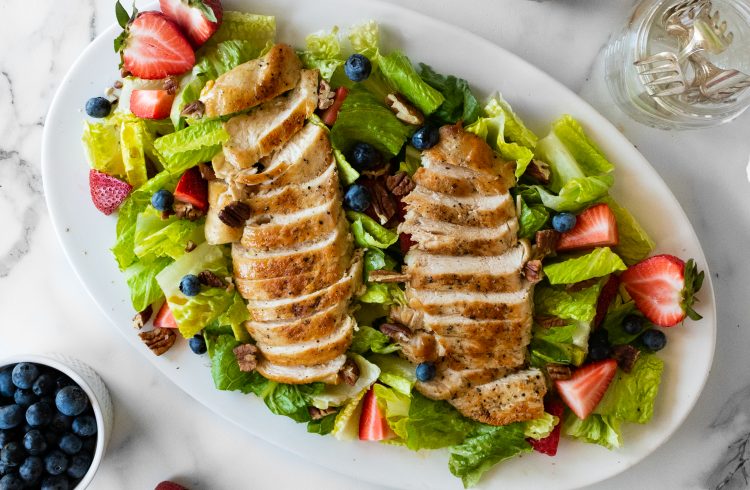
(161, 433)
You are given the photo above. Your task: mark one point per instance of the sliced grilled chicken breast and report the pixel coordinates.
(444, 238)
(327, 372)
(252, 83)
(316, 351)
(289, 332)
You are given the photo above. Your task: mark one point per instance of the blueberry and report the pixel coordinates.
(6, 436)
(51, 437)
(24, 397)
(60, 422)
(198, 344)
(599, 337)
(162, 200)
(563, 222)
(44, 385)
(98, 107)
(632, 324)
(70, 444)
(31, 469)
(34, 442)
(425, 371)
(598, 352)
(79, 465)
(84, 426)
(89, 444)
(39, 414)
(11, 482)
(357, 198)
(62, 381)
(425, 137)
(6, 382)
(654, 340)
(190, 285)
(12, 454)
(55, 462)
(24, 374)
(364, 156)
(71, 400)
(5, 469)
(58, 482)
(357, 67)
(11, 416)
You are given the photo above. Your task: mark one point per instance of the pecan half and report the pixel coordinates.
(194, 109)
(207, 171)
(247, 357)
(190, 246)
(171, 85)
(387, 276)
(383, 203)
(400, 184)
(558, 371)
(349, 373)
(396, 332)
(532, 271)
(404, 110)
(319, 413)
(118, 84)
(159, 340)
(142, 317)
(235, 214)
(208, 278)
(539, 170)
(326, 95)
(185, 210)
(546, 243)
(625, 355)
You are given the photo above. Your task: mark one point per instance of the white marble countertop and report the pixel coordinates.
(161, 433)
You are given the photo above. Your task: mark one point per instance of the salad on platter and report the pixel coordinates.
(371, 249)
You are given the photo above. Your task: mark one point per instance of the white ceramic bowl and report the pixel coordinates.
(92, 384)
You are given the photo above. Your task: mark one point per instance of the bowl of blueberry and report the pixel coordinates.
(55, 421)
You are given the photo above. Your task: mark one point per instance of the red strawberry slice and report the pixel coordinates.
(372, 423)
(608, 294)
(151, 104)
(198, 19)
(595, 227)
(153, 47)
(583, 392)
(107, 192)
(193, 188)
(405, 242)
(165, 318)
(549, 444)
(330, 115)
(169, 485)
(663, 288)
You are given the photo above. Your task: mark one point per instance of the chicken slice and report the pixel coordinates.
(453, 239)
(291, 198)
(460, 148)
(253, 82)
(327, 372)
(316, 351)
(476, 306)
(304, 329)
(488, 211)
(458, 181)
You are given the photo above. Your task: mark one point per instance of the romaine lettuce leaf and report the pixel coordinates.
(595, 429)
(635, 244)
(600, 262)
(383, 293)
(323, 426)
(434, 424)
(375, 259)
(613, 323)
(365, 38)
(459, 104)
(347, 174)
(337, 395)
(368, 233)
(484, 448)
(101, 142)
(241, 26)
(557, 335)
(568, 305)
(157, 237)
(402, 75)
(395, 406)
(364, 118)
(543, 353)
(412, 160)
(141, 279)
(541, 427)
(368, 339)
(133, 144)
(323, 51)
(346, 425)
(531, 219)
(190, 146)
(235, 316)
(577, 193)
(631, 396)
(396, 372)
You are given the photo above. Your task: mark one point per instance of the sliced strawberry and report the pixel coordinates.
(193, 188)
(372, 423)
(198, 19)
(329, 115)
(169, 485)
(405, 242)
(663, 288)
(151, 104)
(153, 47)
(165, 318)
(549, 444)
(583, 392)
(107, 192)
(608, 294)
(595, 227)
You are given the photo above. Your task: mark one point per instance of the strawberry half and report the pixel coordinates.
(583, 392)
(152, 46)
(107, 192)
(372, 423)
(663, 288)
(330, 115)
(549, 444)
(198, 19)
(151, 104)
(595, 227)
(192, 188)
(165, 318)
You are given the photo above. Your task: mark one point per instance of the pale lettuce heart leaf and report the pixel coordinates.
(337, 395)
(365, 38)
(600, 262)
(101, 143)
(323, 52)
(595, 429)
(396, 372)
(368, 233)
(157, 237)
(568, 305)
(241, 26)
(395, 407)
(541, 427)
(368, 339)
(631, 396)
(133, 140)
(188, 147)
(347, 174)
(346, 425)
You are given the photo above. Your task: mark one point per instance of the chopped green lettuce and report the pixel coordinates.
(557, 335)
(402, 75)
(384, 294)
(133, 141)
(531, 218)
(368, 339)
(635, 244)
(568, 305)
(594, 429)
(190, 146)
(412, 160)
(141, 279)
(460, 103)
(235, 316)
(323, 52)
(368, 233)
(631, 396)
(434, 424)
(396, 372)
(364, 118)
(600, 262)
(346, 425)
(157, 237)
(337, 395)
(541, 427)
(347, 174)
(323, 426)
(543, 353)
(365, 38)
(577, 193)
(395, 406)
(224, 368)
(612, 323)
(241, 26)
(485, 447)
(101, 142)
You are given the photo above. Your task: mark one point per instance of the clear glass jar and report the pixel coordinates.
(644, 35)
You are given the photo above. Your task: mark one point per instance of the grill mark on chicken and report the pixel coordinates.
(469, 306)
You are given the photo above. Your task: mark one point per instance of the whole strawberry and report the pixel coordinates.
(198, 19)
(107, 192)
